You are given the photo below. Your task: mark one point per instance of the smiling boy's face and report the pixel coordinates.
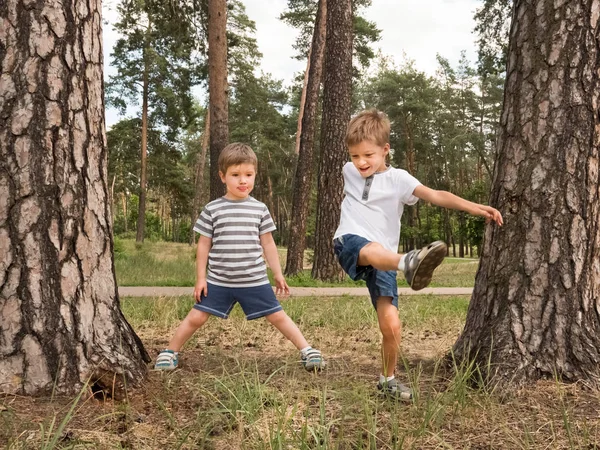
(239, 181)
(368, 157)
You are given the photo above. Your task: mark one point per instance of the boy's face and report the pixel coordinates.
(239, 181)
(368, 157)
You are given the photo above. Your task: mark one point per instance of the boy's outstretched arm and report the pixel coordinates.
(448, 200)
(272, 257)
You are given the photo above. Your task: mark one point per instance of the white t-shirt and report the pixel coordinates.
(373, 206)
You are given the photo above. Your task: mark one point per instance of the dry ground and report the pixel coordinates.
(240, 385)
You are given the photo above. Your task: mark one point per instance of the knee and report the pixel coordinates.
(370, 249)
(197, 318)
(390, 327)
(276, 317)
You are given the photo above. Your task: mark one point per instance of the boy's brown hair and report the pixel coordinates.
(369, 125)
(235, 154)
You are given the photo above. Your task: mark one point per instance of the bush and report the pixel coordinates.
(118, 247)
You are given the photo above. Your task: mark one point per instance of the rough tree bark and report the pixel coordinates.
(337, 97)
(535, 310)
(218, 90)
(60, 321)
(304, 169)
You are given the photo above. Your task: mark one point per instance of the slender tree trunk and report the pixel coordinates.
(60, 321)
(534, 309)
(141, 221)
(337, 97)
(199, 179)
(218, 90)
(303, 98)
(461, 236)
(412, 169)
(124, 201)
(303, 181)
(112, 201)
(270, 202)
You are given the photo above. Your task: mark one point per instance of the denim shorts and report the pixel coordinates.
(257, 301)
(381, 283)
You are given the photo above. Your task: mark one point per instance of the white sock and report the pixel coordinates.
(383, 379)
(402, 263)
(305, 349)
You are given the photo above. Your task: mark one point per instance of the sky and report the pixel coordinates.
(413, 29)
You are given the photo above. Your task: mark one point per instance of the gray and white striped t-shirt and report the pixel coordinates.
(235, 258)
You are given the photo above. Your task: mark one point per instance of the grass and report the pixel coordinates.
(241, 386)
(171, 264)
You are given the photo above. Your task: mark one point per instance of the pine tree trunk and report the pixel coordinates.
(303, 99)
(534, 311)
(461, 236)
(124, 202)
(218, 90)
(60, 321)
(141, 221)
(337, 96)
(304, 169)
(199, 179)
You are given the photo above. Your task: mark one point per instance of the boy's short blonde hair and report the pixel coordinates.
(369, 125)
(235, 154)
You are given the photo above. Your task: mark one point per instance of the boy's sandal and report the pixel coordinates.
(167, 360)
(420, 264)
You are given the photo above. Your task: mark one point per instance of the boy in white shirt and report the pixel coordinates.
(366, 241)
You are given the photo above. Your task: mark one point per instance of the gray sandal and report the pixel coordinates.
(420, 264)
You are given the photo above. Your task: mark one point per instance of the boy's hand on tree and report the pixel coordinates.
(281, 286)
(490, 214)
(200, 289)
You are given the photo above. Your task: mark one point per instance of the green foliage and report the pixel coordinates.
(492, 27)
(159, 47)
(300, 14)
(170, 179)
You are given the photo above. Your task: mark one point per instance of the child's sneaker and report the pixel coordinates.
(167, 360)
(312, 360)
(394, 388)
(420, 264)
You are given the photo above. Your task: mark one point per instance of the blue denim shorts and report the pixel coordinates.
(381, 283)
(256, 302)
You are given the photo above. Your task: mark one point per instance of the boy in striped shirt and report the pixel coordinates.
(235, 230)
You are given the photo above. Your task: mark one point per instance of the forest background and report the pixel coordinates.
(443, 115)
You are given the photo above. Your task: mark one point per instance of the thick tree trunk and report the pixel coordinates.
(141, 221)
(337, 96)
(60, 321)
(536, 303)
(304, 169)
(218, 90)
(199, 178)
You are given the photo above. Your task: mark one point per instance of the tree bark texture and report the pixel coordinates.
(535, 309)
(337, 96)
(218, 90)
(60, 321)
(304, 168)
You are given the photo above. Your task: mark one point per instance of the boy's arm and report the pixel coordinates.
(447, 200)
(272, 257)
(204, 245)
